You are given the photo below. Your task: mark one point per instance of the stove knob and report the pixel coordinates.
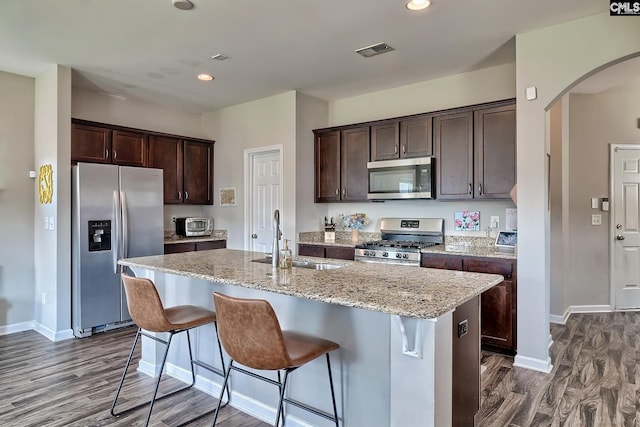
(405, 256)
(398, 255)
(365, 253)
(385, 254)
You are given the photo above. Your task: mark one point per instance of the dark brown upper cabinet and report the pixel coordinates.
(495, 151)
(90, 144)
(341, 165)
(197, 172)
(453, 136)
(128, 148)
(476, 152)
(407, 138)
(97, 144)
(166, 153)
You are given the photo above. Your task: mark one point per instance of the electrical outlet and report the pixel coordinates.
(173, 219)
(463, 328)
(44, 298)
(495, 222)
(51, 223)
(596, 219)
(46, 223)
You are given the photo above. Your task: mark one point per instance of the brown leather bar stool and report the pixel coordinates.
(251, 335)
(148, 313)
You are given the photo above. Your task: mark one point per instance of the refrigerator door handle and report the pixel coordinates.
(125, 226)
(118, 235)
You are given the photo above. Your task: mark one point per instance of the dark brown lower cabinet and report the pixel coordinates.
(175, 248)
(498, 305)
(466, 363)
(325, 251)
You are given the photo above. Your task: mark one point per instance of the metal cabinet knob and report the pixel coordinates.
(186, 195)
(337, 191)
(344, 191)
(619, 237)
(404, 149)
(480, 189)
(470, 188)
(115, 154)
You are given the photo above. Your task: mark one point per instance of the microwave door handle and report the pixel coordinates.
(117, 215)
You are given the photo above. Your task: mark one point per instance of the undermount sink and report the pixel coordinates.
(303, 264)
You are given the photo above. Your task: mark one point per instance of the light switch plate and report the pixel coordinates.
(51, 224)
(596, 219)
(594, 203)
(46, 223)
(495, 222)
(532, 93)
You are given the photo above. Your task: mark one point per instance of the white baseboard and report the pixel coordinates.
(53, 335)
(147, 368)
(17, 327)
(239, 401)
(562, 320)
(539, 365)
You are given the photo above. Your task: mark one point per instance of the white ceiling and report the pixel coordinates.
(149, 50)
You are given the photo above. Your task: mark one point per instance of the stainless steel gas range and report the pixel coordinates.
(401, 241)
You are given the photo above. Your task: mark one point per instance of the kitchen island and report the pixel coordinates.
(394, 325)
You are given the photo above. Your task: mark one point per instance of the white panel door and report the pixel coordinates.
(626, 227)
(265, 188)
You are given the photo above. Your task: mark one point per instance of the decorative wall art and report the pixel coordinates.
(466, 220)
(227, 196)
(45, 184)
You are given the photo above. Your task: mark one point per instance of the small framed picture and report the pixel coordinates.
(227, 196)
(506, 241)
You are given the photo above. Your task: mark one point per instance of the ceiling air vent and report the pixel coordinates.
(374, 49)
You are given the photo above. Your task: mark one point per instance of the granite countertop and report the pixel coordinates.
(406, 291)
(171, 238)
(479, 251)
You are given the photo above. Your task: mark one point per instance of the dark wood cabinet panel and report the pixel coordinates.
(327, 164)
(322, 251)
(166, 153)
(197, 173)
(211, 244)
(495, 151)
(90, 144)
(416, 137)
(443, 262)
(176, 248)
(453, 138)
(466, 364)
(498, 304)
(128, 148)
(311, 250)
(337, 252)
(355, 155)
(385, 141)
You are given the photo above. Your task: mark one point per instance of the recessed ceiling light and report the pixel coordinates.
(418, 4)
(205, 77)
(182, 4)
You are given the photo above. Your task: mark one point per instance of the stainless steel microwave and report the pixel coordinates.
(401, 179)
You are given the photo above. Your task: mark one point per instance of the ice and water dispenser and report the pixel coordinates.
(100, 235)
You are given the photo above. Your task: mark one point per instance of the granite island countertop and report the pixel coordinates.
(406, 291)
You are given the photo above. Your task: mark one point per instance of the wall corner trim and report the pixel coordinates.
(54, 336)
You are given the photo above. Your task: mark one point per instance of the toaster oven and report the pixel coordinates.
(193, 227)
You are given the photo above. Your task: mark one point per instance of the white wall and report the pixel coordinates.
(555, 192)
(265, 122)
(595, 121)
(17, 105)
(552, 59)
(52, 248)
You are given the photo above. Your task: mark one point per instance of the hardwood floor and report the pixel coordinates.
(72, 383)
(594, 382)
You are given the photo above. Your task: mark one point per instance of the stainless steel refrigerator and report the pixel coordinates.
(117, 212)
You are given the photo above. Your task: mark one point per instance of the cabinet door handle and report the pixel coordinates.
(186, 195)
(106, 154)
(344, 192)
(395, 149)
(470, 188)
(404, 149)
(254, 236)
(179, 195)
(480, 189)
(115, 154)
(337, 191)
